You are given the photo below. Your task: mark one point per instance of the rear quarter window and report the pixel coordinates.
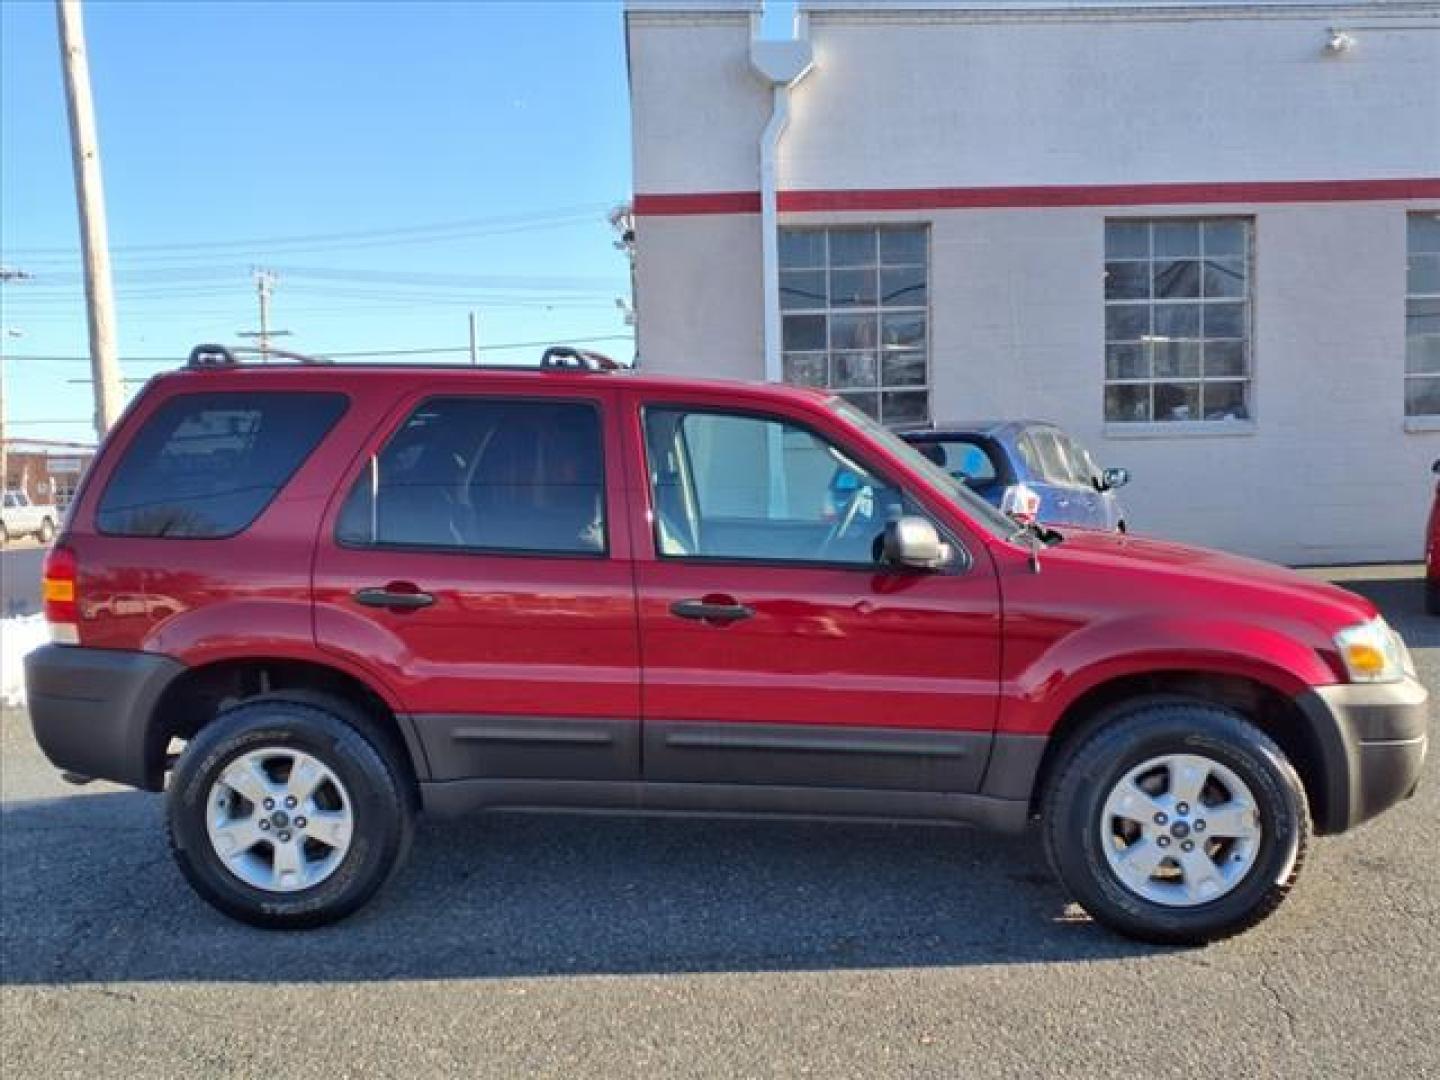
(207, 465)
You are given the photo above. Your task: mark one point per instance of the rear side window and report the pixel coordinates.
(485, 474)
(965, 459)
(206, 465)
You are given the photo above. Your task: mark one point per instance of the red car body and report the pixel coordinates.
(564, 680)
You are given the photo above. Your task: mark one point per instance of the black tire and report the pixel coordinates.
(4, 534)
(47, 531)
(378, 784)
(1432, 597)
(1124, 739)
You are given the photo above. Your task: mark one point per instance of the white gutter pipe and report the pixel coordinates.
(782, 64)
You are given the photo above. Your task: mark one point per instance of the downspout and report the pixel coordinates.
(782, 64)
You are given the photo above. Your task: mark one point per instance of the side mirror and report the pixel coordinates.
(1114, 478)
(914, 542)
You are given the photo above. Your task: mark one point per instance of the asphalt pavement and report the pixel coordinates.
(594, 947)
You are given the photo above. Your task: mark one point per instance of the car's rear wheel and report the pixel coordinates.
(1432, 597)
(283, 815)
(1176, 822)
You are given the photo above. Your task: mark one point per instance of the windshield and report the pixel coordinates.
(974, 507)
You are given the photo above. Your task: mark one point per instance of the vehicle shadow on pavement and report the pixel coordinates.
(90, 895)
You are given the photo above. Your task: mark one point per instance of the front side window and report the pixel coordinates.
(855, 316)
(729, 486)
(1422, 315)
(1178, 320)
(485, 475)
(206, 465)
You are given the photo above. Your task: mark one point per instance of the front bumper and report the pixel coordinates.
(91, 710)
(1372, 740)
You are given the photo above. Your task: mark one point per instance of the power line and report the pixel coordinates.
(366, 355)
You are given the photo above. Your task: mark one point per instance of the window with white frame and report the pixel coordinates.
(855, 313)
(1178, 308)
(1422, 315)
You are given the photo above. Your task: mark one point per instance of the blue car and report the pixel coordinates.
(1029, 468)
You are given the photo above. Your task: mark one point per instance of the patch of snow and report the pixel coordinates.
(18, 636)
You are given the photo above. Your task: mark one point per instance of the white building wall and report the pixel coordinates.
(954, 99)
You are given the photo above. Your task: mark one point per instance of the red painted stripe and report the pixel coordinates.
(705, 202)
(1278, 191)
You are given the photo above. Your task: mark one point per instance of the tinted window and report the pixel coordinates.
(744, 487)
(485, 474)
(206, 465)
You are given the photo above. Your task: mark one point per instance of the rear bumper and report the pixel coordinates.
(91, 710)
(1373, 740)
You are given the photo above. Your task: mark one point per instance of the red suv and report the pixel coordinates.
(310, 601)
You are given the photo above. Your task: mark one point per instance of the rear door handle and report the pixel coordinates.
(396, 596)
(714, 611)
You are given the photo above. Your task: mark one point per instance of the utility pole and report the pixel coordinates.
(90, 195)
(265, 281)
(474, 340)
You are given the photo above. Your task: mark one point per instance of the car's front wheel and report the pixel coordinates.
(283, 815)
(47, 531)
(1176, 822)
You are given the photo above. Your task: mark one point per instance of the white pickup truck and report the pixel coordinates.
(21, 517)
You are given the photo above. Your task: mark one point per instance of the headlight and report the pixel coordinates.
(1373, 653)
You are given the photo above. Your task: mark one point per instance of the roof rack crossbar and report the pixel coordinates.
(567, 356)
(208, 356)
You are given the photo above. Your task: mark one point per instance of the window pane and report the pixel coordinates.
(802, 288)
(853, 247)
(1224, 320)
(903, 368)
(1424, 232)
(485, 474)
(1177, 401)
(1053, 465)
(869, 404)
(904, 407)
(1127, 402)
(1225, 401)
(852, 331)
(904, 331)
(1127, 239)
(853, 369)
(207, 465)
(902, 247)
(1127, 281)
(1177, 279)
(1424, 276)
(1126, 322)
(1422, 354)
(1127, 361)
(1422, 317)
(1174, 238)
(802, 247)
(1224, 277)
(802, 332)
(904, 287)
(806, 369)
(1224, 358)
(1177, 358)
(1422, 396)
(964, 460)
(1177, 320)
(852, 288)
(1225, 237)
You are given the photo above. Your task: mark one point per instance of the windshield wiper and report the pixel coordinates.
(1038, 538)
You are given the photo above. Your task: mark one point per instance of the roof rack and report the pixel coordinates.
(210, 356)
(567, 356)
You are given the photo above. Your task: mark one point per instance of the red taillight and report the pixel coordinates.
(58, 592)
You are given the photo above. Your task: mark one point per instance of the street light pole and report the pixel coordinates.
(90, 195)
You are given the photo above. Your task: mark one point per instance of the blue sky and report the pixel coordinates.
(395, 164)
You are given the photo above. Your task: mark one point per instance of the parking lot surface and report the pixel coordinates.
(586, 946)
